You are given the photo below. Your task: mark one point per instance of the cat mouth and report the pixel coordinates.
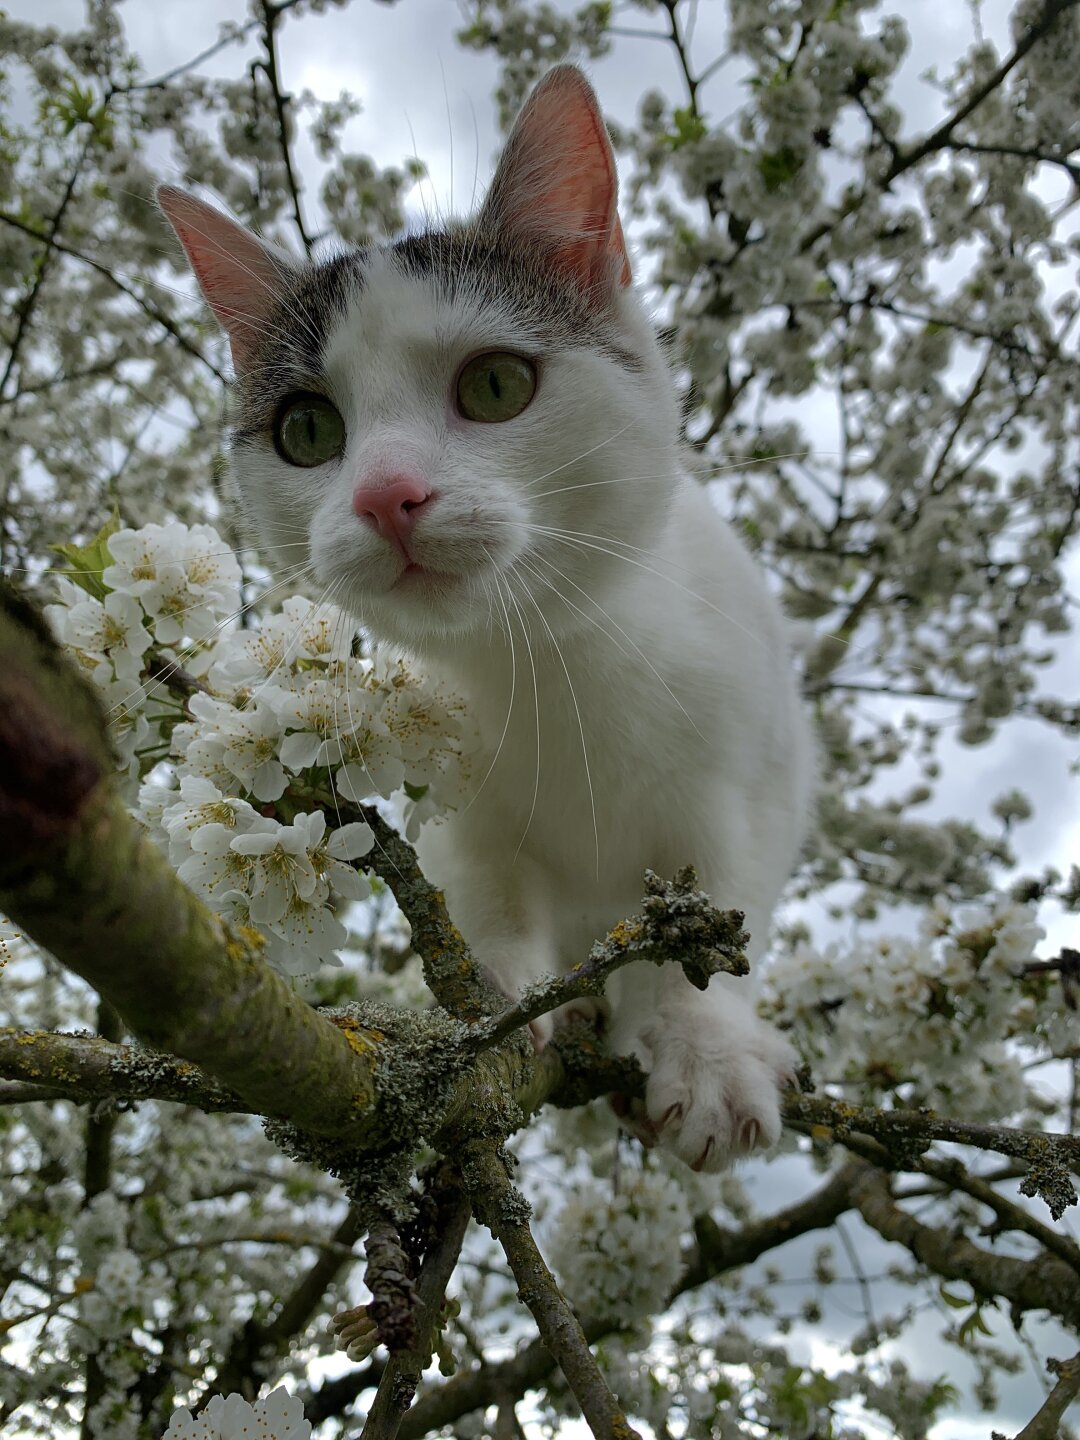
(415, 574)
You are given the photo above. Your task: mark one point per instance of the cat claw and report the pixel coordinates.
(749, 1135)
(713, 1094)
(701, 1163)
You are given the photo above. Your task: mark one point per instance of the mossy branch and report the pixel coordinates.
(86, 1068)
(82, 879)
(678, 925)
(398, 1383)
(452, 975)
(500, 1206)
(904, 1135)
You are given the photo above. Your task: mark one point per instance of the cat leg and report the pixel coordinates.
(715, 1070)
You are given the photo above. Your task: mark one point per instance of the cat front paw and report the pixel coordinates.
(713, 1094)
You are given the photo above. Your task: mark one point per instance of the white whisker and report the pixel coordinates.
(536, 705)
(581, 728)
(633, 645)
(506, 722)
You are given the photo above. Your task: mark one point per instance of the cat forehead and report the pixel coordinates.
(437, 281)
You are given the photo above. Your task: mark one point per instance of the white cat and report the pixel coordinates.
(472, 433)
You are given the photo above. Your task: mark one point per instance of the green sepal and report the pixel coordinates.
(86, 563)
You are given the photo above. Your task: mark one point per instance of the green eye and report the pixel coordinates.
(496, 386)
(308, 431)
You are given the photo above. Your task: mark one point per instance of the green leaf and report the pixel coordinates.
(955, 1302)
(973, 1325)
(416, 792)
(688, 127)
(85, 563)
(779, 166)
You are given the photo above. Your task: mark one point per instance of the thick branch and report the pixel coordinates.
(1043, 1283)
(80, 877)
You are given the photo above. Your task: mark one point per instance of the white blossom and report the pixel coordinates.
(185, 577)
(279, 1416)
(618, 1255)
(109, 636)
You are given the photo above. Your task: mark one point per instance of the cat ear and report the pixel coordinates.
(240, 275)
(556, 186)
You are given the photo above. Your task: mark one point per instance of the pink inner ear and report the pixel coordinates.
(240, 276)
(556, 184)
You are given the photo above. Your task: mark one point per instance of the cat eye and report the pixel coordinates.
(496, 386)
(308, 430)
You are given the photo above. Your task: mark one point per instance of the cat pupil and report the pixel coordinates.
(493, 381)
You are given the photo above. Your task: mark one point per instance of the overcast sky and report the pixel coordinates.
(423, 95)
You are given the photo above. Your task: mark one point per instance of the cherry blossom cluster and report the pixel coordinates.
(947, 1017)
(617, 1253)
(279, 1416)
(236, 744)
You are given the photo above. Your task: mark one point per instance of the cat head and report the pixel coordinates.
(465, 423)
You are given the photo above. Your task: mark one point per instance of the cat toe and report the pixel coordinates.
(588, 1009)
(710, 1108)
(541, 1029)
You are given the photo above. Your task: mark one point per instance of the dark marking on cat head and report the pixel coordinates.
(465, 263)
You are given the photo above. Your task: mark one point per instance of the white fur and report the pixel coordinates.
(670, 731)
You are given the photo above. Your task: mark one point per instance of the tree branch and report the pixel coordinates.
(1040, 27)
(505, 1211)
(403, 1370)
(80, 877)
(678, 925)
(451, 973)
(271, 15)
(1043, 1283)
(718, 1251)
(170, 327)
(1045, 1425)
(907, 1133)
(49, 238)
(86, 1069)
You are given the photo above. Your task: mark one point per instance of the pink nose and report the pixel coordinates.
(392, 508)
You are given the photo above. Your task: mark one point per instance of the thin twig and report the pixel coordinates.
(678, 925)
(505, 1212)
(271, 15)
(1045, 1425)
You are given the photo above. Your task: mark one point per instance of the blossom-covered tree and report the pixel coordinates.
(252, 1079)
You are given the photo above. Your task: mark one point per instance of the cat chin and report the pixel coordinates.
(419, 607)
